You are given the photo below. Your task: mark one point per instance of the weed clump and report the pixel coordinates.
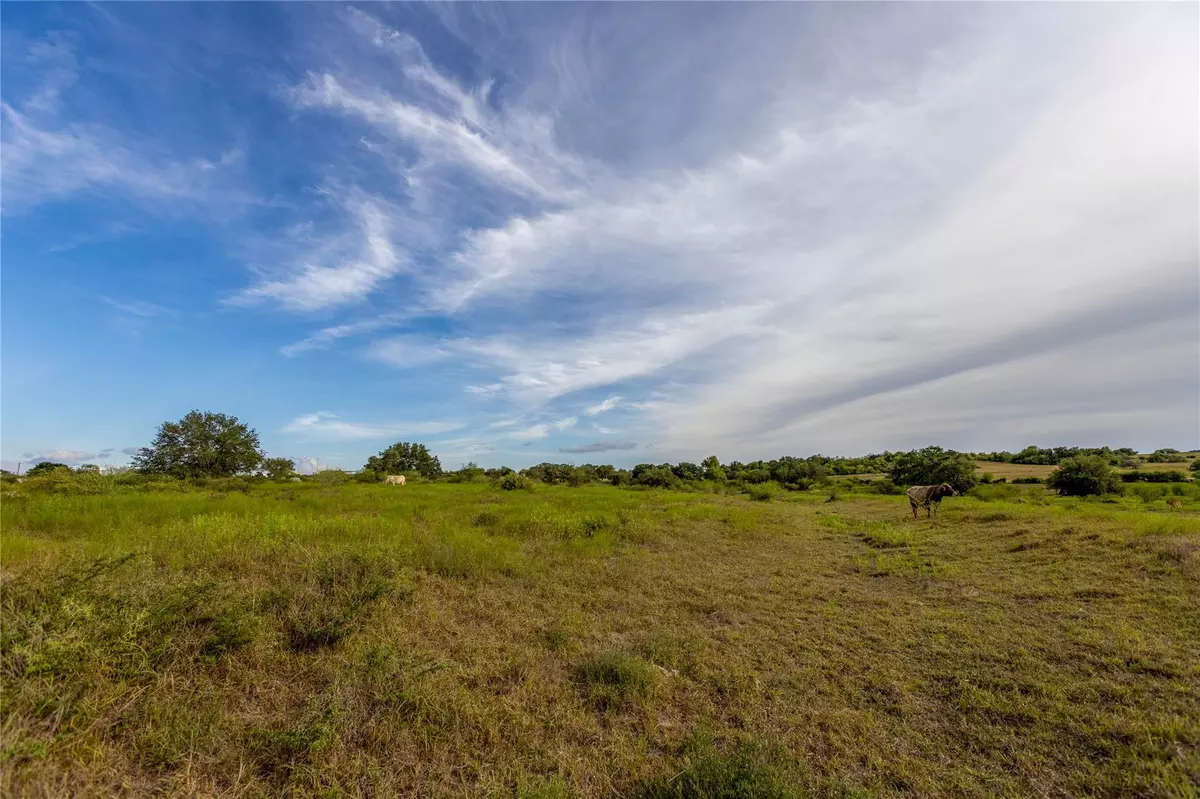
(611, 677)
(740, 771)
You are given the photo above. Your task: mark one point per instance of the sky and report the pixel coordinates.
(606, 233)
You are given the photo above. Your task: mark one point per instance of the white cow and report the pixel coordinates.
(394, 480)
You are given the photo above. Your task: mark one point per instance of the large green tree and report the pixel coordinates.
(933, 466)
(405, 457)
(201, 444)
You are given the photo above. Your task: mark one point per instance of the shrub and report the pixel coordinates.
(887, 486)
(687, 471)
(1086, 475)
(934, 465)
(764, 492)
(1027, 480)
(1154, 477)
(1195, 467)
(515, 482)
(621, 478)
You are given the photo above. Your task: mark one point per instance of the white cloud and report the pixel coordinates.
(71, 457)
(323, 425)
(606, 405)
(311, 464)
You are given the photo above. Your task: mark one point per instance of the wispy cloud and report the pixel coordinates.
(344, 269)
(601, 407)
(600, 446)
(140, 308)
(323, 425)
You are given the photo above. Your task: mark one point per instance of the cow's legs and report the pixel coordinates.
(914, 508)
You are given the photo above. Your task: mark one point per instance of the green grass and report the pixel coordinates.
(450, 640)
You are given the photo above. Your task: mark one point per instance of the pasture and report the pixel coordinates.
(450, 640)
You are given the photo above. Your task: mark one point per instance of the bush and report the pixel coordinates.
(887, 486)
(932, 466)
(1027, 480)
(515, 482)
(367, 476)
(1195, 467)
(1154, 477)
(761, 493)
(621, 478)
(1084, 476)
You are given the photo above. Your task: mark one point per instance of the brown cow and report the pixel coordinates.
(1174, 503)
(929, 497)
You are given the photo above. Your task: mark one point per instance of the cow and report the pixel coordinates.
(929, 497)
(296, 480)
(1176, 504)
(394, 480)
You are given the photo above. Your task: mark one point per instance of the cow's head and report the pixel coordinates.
(945, 490)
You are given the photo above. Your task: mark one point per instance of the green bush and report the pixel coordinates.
(1084, 476)
(515, 482)
(1154, 477)
(887, 486)
(1027, 480)
(763, 492)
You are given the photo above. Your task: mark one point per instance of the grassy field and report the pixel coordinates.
(450, 640)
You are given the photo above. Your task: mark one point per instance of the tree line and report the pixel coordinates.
(213, 445)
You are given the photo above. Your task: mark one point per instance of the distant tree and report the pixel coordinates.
(655, 476)
(688, 471)
(405, 457)
(1085, 475)
(934, 465)
(1166, 455)
(201, 444)
(46, 467)
(90, 468)
(712, 469)
(279, 468)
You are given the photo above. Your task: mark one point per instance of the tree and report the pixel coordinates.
(932, 466)
(46, 467)
(279, 468)
(687, 471)
(201, 444)
(91, 468)
(405, 457)
(712, 469)
(1086, 475)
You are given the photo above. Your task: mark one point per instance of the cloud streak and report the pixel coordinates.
(327, 426)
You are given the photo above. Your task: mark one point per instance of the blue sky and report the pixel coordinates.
(600, 233)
